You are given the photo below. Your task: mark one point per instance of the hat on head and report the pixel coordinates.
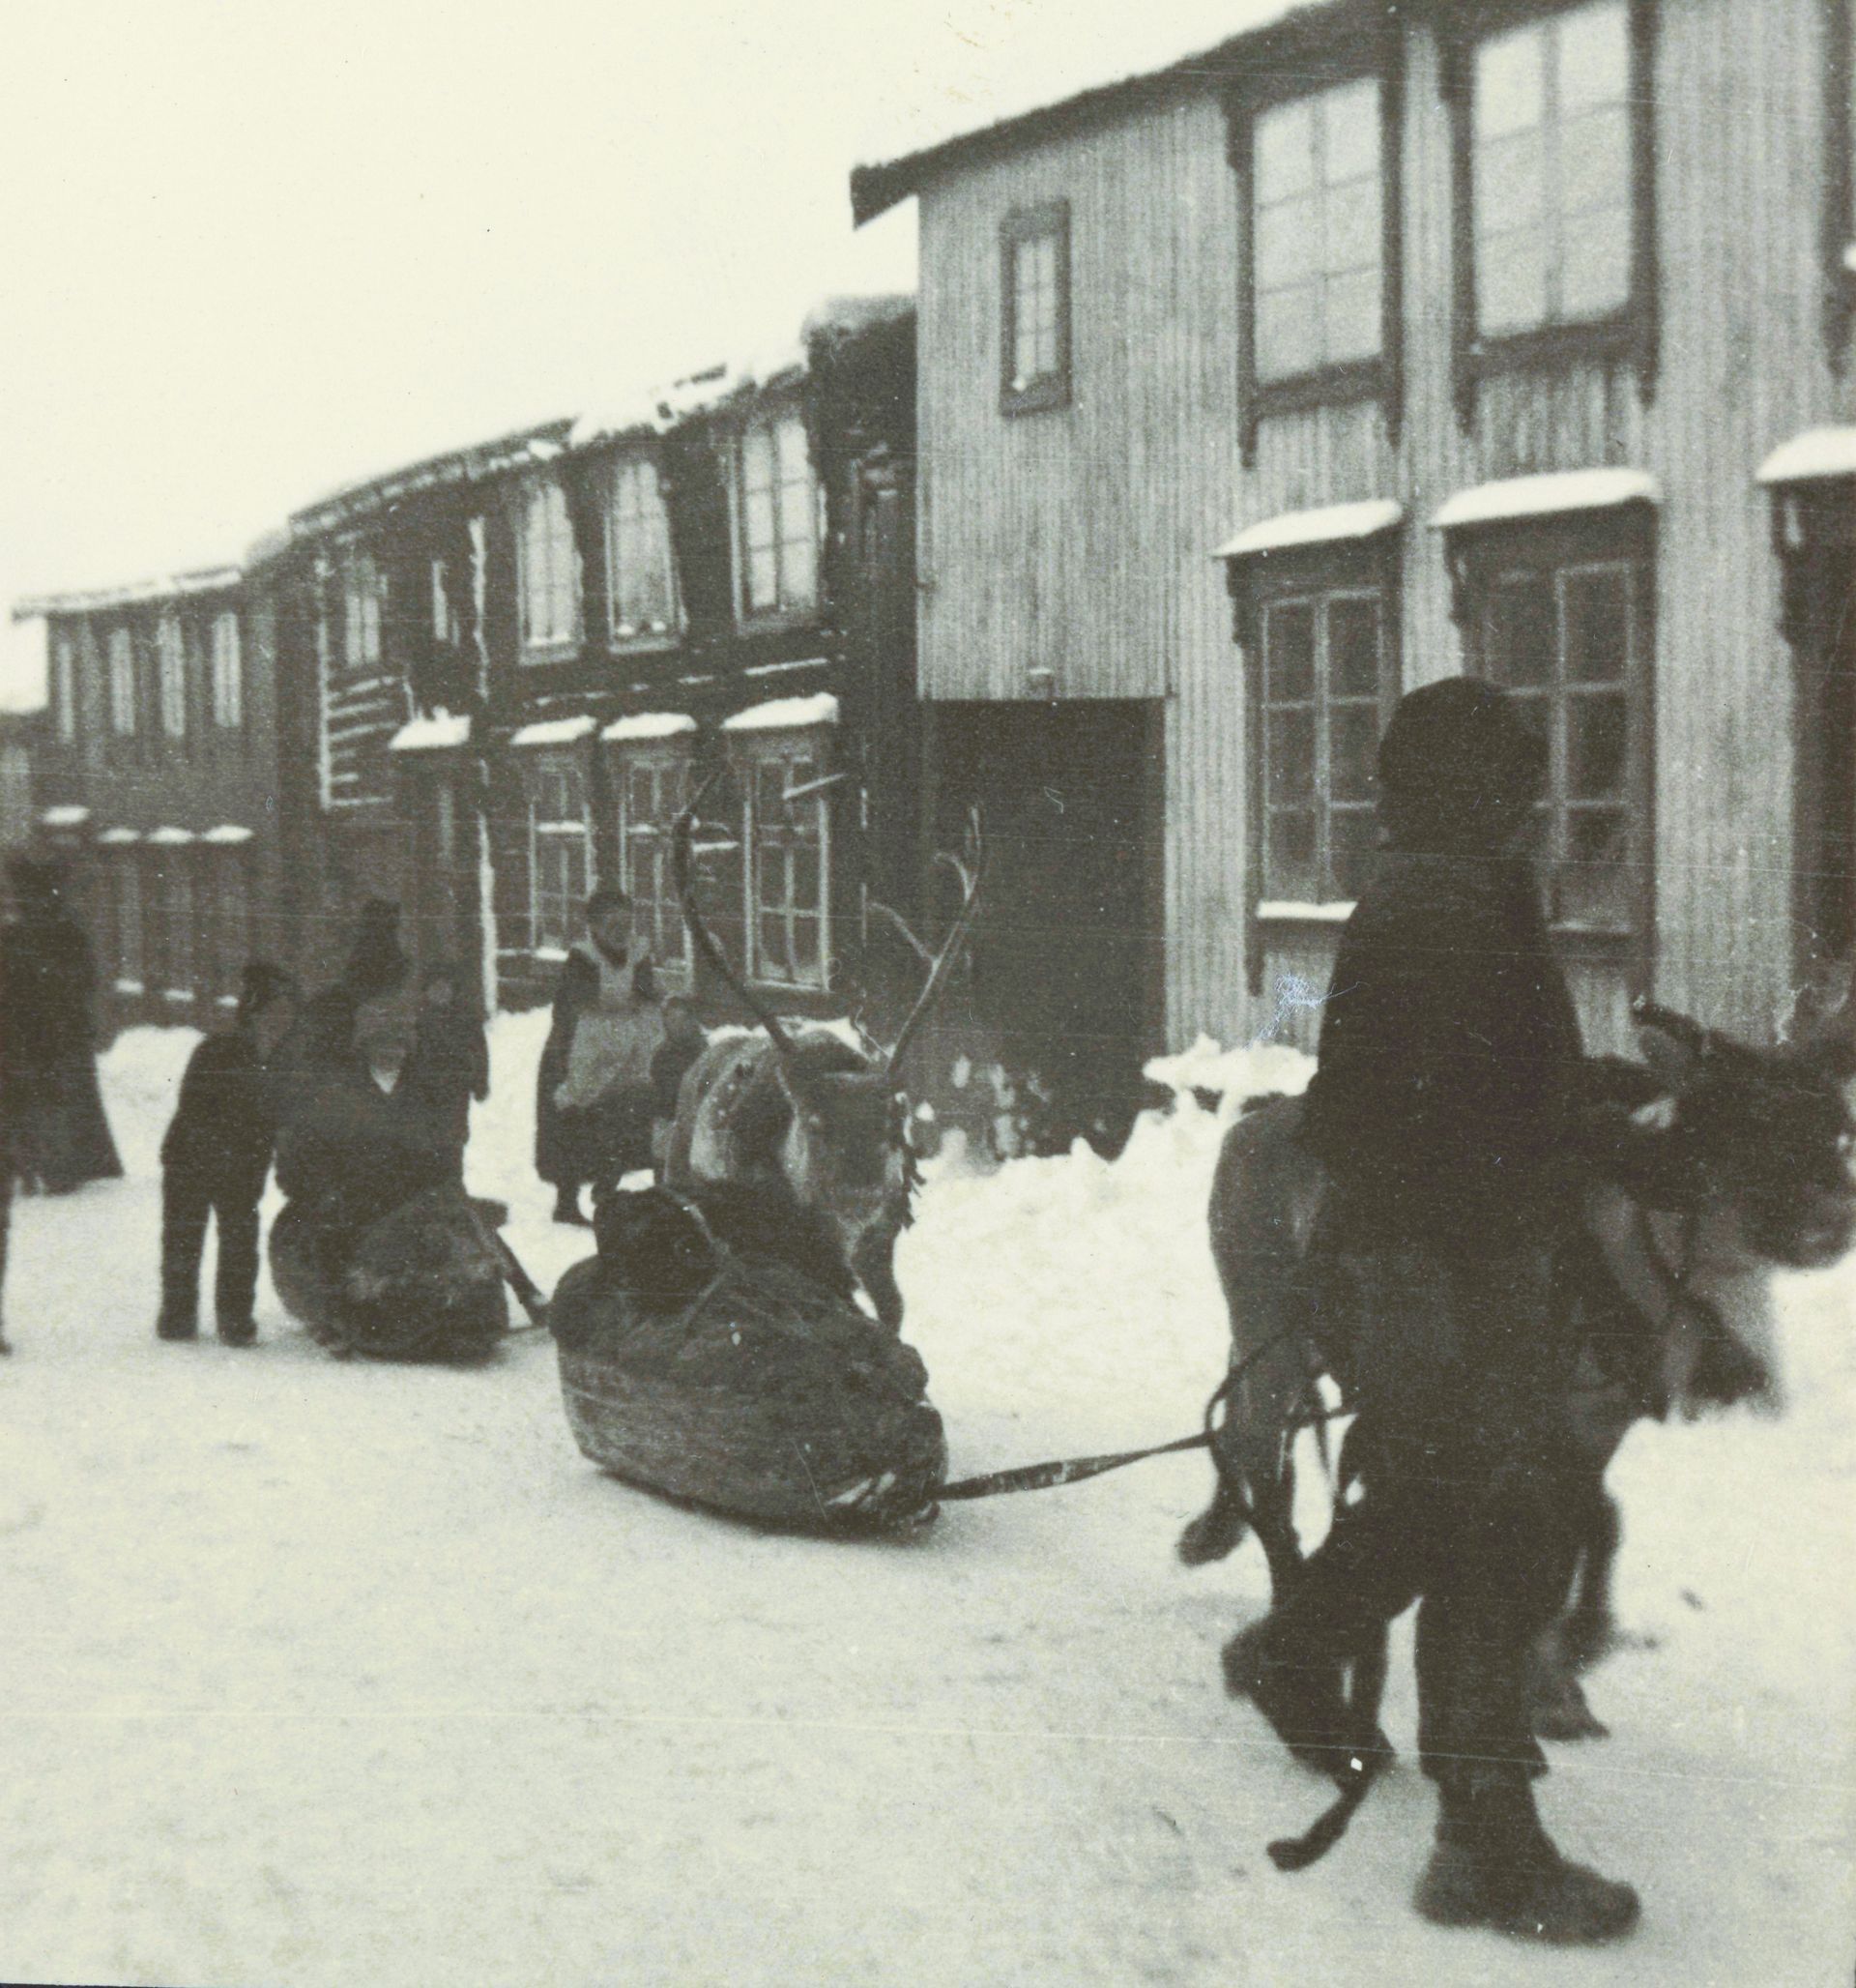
(608, 897)
(1457, 764)
(260, 984)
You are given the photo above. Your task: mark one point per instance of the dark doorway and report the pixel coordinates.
(1825, 777)
(1065, 996)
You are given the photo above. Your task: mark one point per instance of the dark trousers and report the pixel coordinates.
(1464, 1481)
(187, 1200)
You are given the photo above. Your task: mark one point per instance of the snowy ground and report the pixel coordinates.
(325, 1673)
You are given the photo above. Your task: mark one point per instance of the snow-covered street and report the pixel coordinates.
(338, 1673)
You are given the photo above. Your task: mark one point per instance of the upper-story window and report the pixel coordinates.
(1317, 194)
(1551, 170)
(1035, 294)
(228, 671)
(779, 518)
(122, 683)
(362, 585)
(64, 688)
(445, 621)
(550, 568)
(643, 590)
(171, 650)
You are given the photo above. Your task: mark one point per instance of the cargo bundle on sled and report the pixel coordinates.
(712, 1351)
(420, 1283)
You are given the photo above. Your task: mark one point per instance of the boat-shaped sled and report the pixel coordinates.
(697, 1364)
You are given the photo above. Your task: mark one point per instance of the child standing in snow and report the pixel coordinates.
(215, 1160)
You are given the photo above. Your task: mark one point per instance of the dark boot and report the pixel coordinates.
(238, 1331)
(1301, 1694)
(1496, 1866)
(175, 1323)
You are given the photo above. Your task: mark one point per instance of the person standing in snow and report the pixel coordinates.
(592, 1089)
(1445, 1108)
(450, 1060)
(684, 1040)
(215, 1160)
(61, 1137)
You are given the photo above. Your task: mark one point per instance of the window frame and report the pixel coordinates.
(1629, 332)
(228, 671)
(622, 634)
(555, 832)
(170, 675)
(1483, 555)
(129, 961)
(813, 744)
(64, 688)
(1373, 58)
(1054, 389)
(551, 645)
(230, 938)
(784, 608)
(180, 917)
(651, 894)
(361, 586)
(123, 675)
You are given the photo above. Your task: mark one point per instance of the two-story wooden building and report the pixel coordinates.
(1502, 336)
(159, 779)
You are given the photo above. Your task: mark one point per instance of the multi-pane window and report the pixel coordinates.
(363, 586)
(1320, 232)
(122, 683)
(550, 567)
(652, 794)
(228, 671)
(1551, 166)
(1034, 275)
(444, 628)
(779, 516)
(788, 845)
(126, 919)
(64, 689)
(179, 967)
(560, 848)
(231, 927)
(643, 590)
(1323, 672)
(1567, 640)
(170, 653)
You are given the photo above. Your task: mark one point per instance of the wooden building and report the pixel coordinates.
(1502, 336)
(158, 776)
(20, 732)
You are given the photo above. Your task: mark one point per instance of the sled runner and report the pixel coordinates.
(418, 1284)
(704, 1357)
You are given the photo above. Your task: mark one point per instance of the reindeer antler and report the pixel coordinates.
(705, 945)
(1684, 1029)
(952, 946)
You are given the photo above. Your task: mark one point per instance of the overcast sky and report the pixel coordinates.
(255, 250)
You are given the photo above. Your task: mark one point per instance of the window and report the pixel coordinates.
(178, 965)
(170, 653)
(1320, 233)
(779, 518)
(1034, 285)
(1550, 169)
(362, 585)
(64, 689)
(231, 927)
(550, 568)
(788, 842)
(1568, 636)
(445, 623)
(652, 792)
(228, 671)
(122, 683)
(1322, 657)
(643, 598)
(126, 920)
(560, 839)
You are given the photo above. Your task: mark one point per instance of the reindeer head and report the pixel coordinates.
(845, 1148)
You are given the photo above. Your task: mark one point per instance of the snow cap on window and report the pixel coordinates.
(785, 715)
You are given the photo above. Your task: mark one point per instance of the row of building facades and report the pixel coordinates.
(1375, 344)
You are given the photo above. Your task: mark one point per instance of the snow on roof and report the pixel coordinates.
(116, 838)
(554, 731)
(785, 714)
(1811, 458)
(437, 732)
(1052, 61)
(1547, 496)
(227, 834)
(649, 724)
(1325, 526)
(173, 838)
(68, 817)
(216, 580)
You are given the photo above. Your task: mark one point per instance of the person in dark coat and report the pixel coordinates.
(215, 1160)
(592, 1106)
(61, 1136)
(450, 1060)
(376, 961)
(1444, 1109)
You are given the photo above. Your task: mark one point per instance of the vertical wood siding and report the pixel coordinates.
(1079, 542)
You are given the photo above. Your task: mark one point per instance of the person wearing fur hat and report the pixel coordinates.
(215, 1160)
(1446, 1109)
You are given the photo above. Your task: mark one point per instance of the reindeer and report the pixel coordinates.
(1742, 1169)
(807, 1112)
